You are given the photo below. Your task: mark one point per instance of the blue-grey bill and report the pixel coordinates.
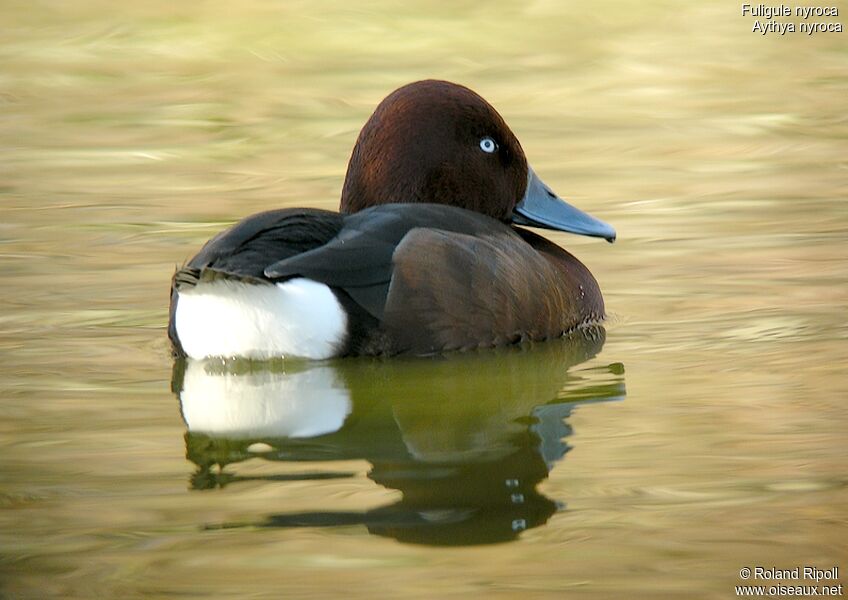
(540, 207)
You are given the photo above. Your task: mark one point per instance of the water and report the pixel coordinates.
(702, 432)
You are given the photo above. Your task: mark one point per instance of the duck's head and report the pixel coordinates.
(439, 142)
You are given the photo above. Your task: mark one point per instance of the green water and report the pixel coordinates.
(703, 431)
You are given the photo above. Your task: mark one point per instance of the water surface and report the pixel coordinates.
(702, 431)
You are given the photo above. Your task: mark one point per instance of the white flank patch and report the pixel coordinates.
(299, 317)
(263, 403)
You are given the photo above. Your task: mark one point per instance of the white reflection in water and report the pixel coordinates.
(263, 403)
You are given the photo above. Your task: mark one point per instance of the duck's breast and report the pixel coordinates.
(455, 291)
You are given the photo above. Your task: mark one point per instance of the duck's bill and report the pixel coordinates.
(540, 207)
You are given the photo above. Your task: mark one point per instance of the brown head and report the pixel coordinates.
(435, 141)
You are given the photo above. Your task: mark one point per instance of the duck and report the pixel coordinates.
(429, 253)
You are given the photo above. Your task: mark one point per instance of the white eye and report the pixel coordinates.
(488, 145)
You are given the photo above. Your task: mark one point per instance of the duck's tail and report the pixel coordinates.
(186, 277)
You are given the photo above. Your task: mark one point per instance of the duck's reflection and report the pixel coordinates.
(465, 438)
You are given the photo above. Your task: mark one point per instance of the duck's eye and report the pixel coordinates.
(488, 145)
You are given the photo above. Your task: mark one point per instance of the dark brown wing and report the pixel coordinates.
(245, 250)
(360, 260)
(455, 291)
